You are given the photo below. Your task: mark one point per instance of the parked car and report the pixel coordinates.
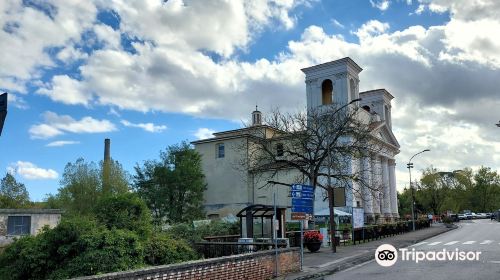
(462, 217)
(482, 216)
(469, 216)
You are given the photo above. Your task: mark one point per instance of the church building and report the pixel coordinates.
(232, 184)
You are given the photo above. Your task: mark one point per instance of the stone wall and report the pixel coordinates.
(259, 265)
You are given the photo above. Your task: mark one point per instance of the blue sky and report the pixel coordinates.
(149, 74)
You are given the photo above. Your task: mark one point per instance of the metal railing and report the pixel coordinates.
(221, 249)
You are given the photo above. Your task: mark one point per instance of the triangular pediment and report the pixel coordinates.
(384, 133)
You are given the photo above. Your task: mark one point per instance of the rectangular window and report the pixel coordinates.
(18, 225)
(220, 150)
(279, 150)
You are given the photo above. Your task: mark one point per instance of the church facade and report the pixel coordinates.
(233, 185)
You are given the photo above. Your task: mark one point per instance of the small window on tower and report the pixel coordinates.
(279, 150)
(220, 150)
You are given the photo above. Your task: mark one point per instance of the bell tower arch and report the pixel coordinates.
(332, 83)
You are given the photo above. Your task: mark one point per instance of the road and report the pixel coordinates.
(472, 235)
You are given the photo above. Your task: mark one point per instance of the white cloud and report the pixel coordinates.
(337, 23)
(420, 9)
(381, 5)
(17, 101)
(62, 143)
(113, 112)
(204, 133)
(30, 171)
(371, 28)
(149, 127)
(66, 90)
(29, 32)
(186, 64)
(60, 124)
(69, 54)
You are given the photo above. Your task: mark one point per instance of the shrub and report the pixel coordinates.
(75, 247)
(164, 249)
(102, 251)
(125, 211)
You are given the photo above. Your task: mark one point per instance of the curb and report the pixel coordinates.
(362, 259)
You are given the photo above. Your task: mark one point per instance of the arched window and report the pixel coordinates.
(352, 86)
(327, 92)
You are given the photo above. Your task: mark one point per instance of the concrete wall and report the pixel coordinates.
(39, 218)
(227, 181)
(252, 266)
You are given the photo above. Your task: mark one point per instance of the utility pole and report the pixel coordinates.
(410, 166)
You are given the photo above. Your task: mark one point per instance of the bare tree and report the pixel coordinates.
(325, 145)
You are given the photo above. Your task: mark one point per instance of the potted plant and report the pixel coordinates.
(313, 240)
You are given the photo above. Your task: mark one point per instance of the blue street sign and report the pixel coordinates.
(302, 199)
(302, 188)
(302, 202)
(299, 194)
(303, 209)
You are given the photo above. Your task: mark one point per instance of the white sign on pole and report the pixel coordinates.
(324, 232)
(358, 217)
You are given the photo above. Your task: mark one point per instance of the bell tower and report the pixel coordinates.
(335, 82)
(256, 117)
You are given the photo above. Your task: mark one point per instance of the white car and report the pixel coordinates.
(462, 217)
(481, 215)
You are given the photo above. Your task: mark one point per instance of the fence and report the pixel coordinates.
(221, 249)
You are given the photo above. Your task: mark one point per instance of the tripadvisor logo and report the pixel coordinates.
(386, 255)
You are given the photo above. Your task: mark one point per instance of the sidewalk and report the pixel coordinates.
(325, 262)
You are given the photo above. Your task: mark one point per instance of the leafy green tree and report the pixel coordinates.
(404, 200)
(82, 185)
(458, 190)
(434, 188)
(125, 211)
(172, 186)
(486, 192)
(115, 180)
(12, 193)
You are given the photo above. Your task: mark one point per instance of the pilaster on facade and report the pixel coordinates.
(376, 182)
(386, 191)
(394, 193)
(366, 188)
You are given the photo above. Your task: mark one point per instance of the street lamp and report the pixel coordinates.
(410, 166)
(331, 193)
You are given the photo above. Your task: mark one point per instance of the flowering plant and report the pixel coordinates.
(313, 236)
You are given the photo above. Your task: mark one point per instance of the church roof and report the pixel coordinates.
(345, 60)
(373, 91)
